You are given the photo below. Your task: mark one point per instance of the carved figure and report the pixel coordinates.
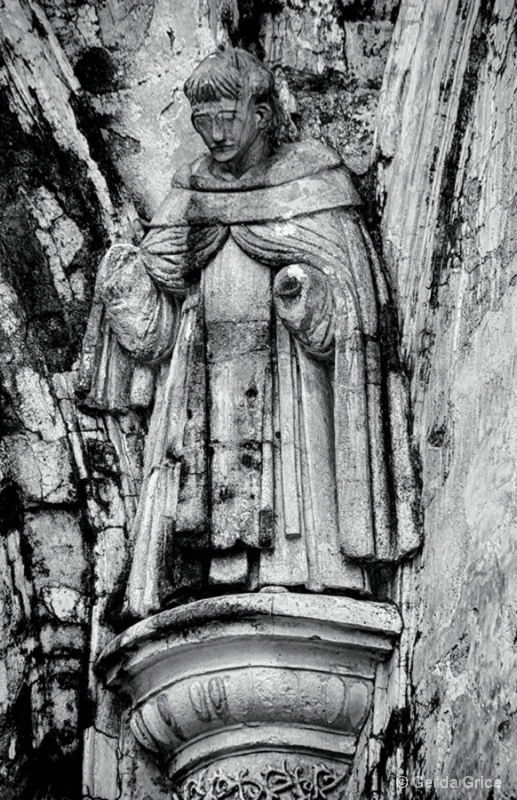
(256, 314)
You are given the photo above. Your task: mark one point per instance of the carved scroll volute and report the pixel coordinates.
(253, 691)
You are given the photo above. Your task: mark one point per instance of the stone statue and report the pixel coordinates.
(254, 319)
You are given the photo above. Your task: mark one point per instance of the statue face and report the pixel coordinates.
(228, 127)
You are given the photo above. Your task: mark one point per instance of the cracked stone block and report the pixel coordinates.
(57, 554)
(366, 50)
(64, 603)
(41, 469)
(45, 207)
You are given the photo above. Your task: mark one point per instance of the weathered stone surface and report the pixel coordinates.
(447, 170)
(330, 60)
(16, 646)
(267, 773)
(246, 682)
(131, 60)
(57, 211)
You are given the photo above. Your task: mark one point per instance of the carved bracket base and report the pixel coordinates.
(254, 696)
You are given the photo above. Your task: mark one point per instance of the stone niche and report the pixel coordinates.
(254, 695)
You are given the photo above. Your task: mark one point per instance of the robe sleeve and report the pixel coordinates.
(132, 327)
(142, 317)
(136, 311)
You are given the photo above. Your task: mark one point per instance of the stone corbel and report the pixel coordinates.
(255, 695)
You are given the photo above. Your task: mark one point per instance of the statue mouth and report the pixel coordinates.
(223, 148)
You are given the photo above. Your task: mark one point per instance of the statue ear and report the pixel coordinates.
(194, 123)
(263, 114)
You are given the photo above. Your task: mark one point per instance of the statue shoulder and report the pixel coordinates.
(318, 168)
(290, 162)
(183, 175)
(301, 159)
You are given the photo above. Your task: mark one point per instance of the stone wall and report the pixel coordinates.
(447, 166)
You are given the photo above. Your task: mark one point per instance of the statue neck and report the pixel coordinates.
(258, 151)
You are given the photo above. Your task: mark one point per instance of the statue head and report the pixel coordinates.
(235, 108)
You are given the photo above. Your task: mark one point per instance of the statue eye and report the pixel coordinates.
(201, 121)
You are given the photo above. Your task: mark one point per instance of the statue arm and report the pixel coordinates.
(304, 302)
(142, 317)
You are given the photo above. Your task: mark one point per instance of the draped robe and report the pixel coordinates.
(277, 454)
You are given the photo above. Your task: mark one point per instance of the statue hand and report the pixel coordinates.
(304, 302)
(287, 286)
(119, 272)
(297, 292)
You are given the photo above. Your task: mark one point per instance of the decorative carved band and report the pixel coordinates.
(315, 782)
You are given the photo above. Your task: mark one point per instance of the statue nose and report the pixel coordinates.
(217, 131)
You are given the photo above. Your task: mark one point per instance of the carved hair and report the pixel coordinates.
(235, 73)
